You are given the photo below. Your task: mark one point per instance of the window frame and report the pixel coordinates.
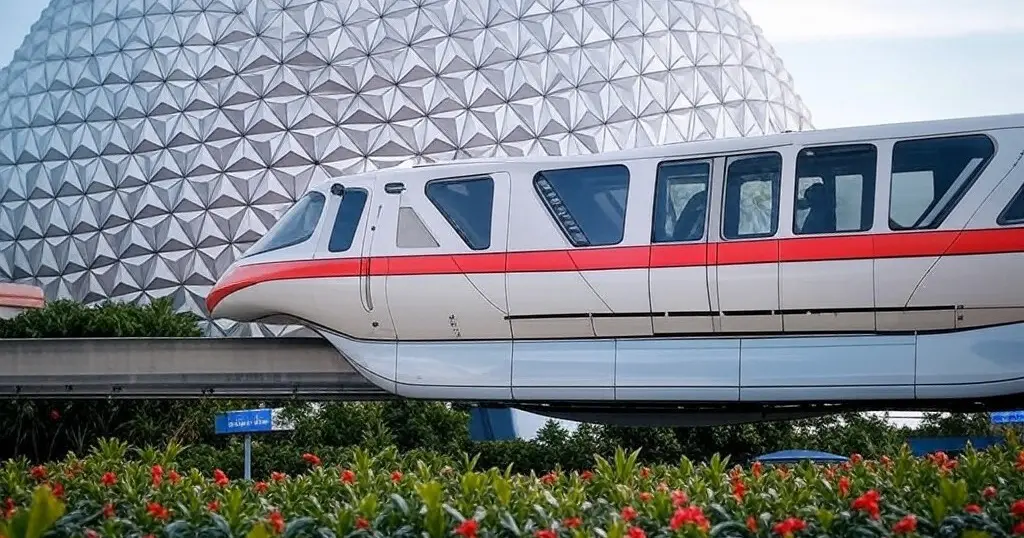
(464, 179)
(334, 223)
(867, 194)
(558, 223)
(294, 242)
(708, 182)
(954, 202)
(1001, 220)
(776, 196)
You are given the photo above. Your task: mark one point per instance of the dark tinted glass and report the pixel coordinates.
(752, 196)
(835, 189)
(467, 205)
(1014, 212)
(294, 227)
(589, 204)
(346, 221)
(930, 176)
(681, 201)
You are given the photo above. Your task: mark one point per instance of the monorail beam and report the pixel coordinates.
(305, 368)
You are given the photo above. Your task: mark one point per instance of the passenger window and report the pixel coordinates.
(589, 204)
(835, 189)
(295, 226)
(1014, 211)
(346, 222)
(680, 201)
(930, 176)
(411, 232)
(752, 196)
(467, 205)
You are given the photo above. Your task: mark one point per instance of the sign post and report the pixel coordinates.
(1008, 417)
(248, 422)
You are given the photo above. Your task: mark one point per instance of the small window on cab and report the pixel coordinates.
(467, 205)
(1013, 213)
(752, 196)
(346, 221)
(835, 189)
(931, 175)
(588, 203)
(295, 226)
(681, 201)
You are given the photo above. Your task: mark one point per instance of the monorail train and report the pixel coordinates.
(702, 282)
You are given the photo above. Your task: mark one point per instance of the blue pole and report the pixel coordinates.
(248, 456)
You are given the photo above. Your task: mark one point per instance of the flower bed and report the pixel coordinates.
(104, 494)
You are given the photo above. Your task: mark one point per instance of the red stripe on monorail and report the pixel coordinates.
(789, 250)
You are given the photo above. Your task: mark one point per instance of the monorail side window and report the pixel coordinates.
(752, 196)
(835, 189)
(295, 226)
(1014, 211)
(929, 177)
(467, 205)
(346, 221)
(680, 201)
(589, 203)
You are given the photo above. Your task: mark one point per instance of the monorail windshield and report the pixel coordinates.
(296, 225)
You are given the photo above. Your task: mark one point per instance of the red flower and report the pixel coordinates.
(1020, 461)
(752, 524)
(856, 458)
(989, 492)
(467, 528)
(277, 476)
(157, 474)
(1019, 528)
(689, 515)
(629, 513)
(906, 525)
(213, 505)
(276, 521)
(58, 489)
(108, 510)
(972, 509)
(739, 489)
(260, 487)
(636, 532)
(311, 459)
(844, 486)
(868, 503)
(679, 498)
(549, 478)
(396, 476)
(9, 508)
(348, 477)
(646, 496)
(756, 469)
(645, 472)
(545, 533)
(38, 472)
(174, 477)
(586, 475)
(886, 461)
(1017, 508)
(362, 523)
(54, 415)
(220, 478)
(89, 533)
(157, 511)
(789, 526)
(572, 522)
(109, 479)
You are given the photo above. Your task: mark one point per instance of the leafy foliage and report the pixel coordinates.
(115, 491)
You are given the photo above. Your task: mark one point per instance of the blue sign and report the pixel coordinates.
(1008, 417)
(252, 421)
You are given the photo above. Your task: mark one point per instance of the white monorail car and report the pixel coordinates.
(867, 267)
